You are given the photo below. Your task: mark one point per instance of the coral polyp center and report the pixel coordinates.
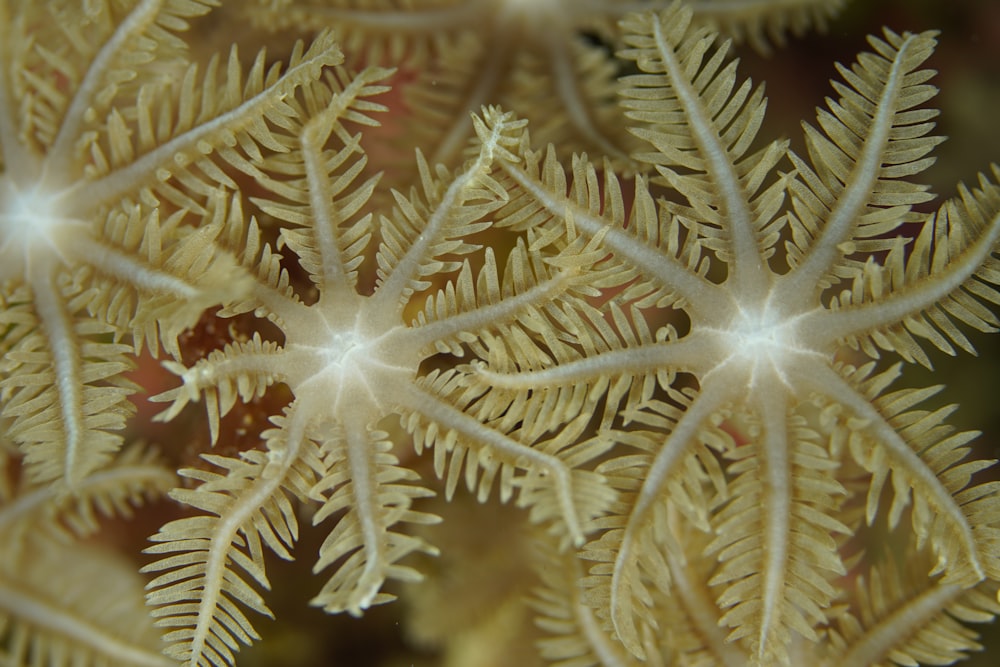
(760, 341)
(345, 349)
(350, 368)
(34, 232)
(757, 335)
